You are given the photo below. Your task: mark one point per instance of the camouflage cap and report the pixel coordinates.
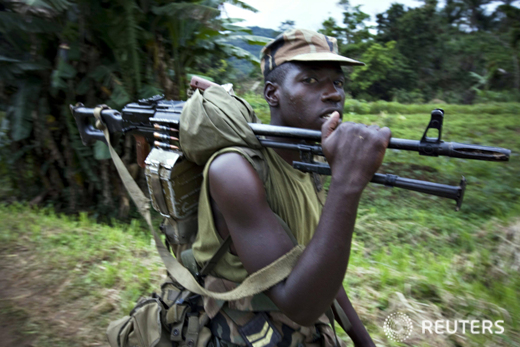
(301, 45)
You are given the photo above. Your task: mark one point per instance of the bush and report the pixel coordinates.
(486, 96)
(408, 97)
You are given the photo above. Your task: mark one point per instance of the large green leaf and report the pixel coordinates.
(83, 152)
(119, 97)
(19, 112)
(38, 4)
(133, 44)
(101, 74)
(252, 39)
(63, 72)
(50, 6)
(11, 69)
(60, 5)
(4, 129)
(83, 86)
(148, 91)
(238, 52)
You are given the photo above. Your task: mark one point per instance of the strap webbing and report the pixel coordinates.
(256, 283)
(330, 315)
(341, 316)
(224, 247)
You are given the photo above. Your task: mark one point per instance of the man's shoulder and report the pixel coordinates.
(231, 174)
(228, 163)
(239, 161)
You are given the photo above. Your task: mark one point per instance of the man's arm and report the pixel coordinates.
(354, 152)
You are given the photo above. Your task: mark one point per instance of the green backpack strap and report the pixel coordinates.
(224, 247)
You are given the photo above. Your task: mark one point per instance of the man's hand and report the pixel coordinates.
(354, 151)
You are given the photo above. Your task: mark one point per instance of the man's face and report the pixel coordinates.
(310, 92)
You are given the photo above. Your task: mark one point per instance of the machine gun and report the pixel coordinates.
(155, 122)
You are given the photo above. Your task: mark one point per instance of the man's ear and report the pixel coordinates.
(271, 93)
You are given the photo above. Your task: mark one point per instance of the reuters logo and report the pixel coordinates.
(398, 326)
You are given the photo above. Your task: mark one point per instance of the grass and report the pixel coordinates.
(411, 252)
(423, 258)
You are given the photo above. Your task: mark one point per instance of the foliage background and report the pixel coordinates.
(56, 53)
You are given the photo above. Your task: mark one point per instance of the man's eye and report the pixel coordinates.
(310, 80)
(339, 83)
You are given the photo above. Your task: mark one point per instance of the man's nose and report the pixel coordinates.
(331, 93)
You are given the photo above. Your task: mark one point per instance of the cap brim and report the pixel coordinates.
(325, 56)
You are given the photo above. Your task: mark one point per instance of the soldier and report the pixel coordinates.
(304, 87)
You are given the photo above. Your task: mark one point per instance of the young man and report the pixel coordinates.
(304, 88)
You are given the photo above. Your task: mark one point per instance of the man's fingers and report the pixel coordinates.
(387, 134)
(330, 125)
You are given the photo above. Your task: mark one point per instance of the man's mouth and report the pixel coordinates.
(327, 115)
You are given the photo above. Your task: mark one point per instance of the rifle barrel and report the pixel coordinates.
(450, 149)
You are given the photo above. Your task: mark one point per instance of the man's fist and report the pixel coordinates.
(354, 151)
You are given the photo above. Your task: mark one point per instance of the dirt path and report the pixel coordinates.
(10, 322)
(32, 311)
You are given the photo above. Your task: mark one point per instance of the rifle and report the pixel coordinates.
(152, 122)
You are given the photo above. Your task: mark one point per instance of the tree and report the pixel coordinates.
(439, 49)
(387, 23)
(354, 35)
(385, 71)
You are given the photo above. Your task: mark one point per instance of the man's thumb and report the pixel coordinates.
(330, 125)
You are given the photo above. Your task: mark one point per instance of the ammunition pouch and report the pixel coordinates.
(175, 318)
(174, 183)
(174, 186)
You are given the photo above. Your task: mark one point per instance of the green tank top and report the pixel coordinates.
(291, 194)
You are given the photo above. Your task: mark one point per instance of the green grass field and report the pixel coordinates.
(412, 253)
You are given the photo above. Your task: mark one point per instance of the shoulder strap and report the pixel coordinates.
(224, 247)
(253, 284)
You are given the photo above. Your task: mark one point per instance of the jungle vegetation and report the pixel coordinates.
(54, 53)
